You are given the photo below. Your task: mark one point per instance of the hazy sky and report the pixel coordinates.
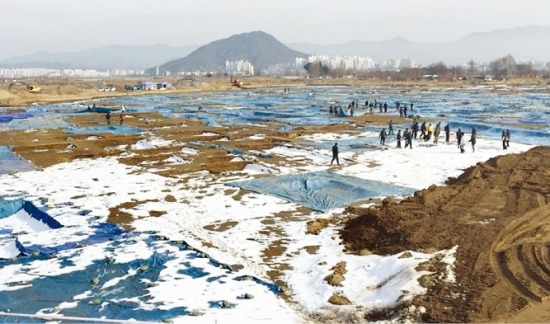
(29, 26)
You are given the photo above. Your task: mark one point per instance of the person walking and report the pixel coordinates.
(414, 128)
(507, 137)
(335, 152)
(423, 131)
(504, 140)
(462, 144)
(121, 118)
(382, 136)
(447, 133)
(459, 135)
(436, 134)
(430, 131)
(108, 118)
(390, 126)
(398, 138)
(408, 138)
(472, 140)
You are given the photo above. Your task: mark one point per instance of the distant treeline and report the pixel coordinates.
(499, 69)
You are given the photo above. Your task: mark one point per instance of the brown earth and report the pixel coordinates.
(498, 214)
(15, 93)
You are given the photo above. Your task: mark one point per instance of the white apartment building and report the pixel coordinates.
(241, 67)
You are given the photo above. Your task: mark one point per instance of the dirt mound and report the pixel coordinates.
(498, 214)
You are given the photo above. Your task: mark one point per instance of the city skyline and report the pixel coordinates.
(67, 26)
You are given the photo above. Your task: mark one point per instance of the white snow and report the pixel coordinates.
(233, 229)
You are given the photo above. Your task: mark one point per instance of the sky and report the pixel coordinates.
(30, 26)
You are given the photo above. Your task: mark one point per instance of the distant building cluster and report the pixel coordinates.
(79, 73)
(357, 63)
(240, 67)
(350, 63)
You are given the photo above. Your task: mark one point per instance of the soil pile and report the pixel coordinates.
(498, 214)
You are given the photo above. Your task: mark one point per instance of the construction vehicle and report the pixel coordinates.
(33, 88)
(30, 87)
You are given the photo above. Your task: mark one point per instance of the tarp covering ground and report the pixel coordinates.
(99, 271)
(11, 163)
(22, 228)
(322, 190)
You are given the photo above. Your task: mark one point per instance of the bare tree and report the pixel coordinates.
(504, 66)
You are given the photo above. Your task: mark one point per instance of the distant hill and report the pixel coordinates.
(523, 43)
(107, 57)
(259, 48)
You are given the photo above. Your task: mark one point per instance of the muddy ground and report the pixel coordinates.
(497, 213)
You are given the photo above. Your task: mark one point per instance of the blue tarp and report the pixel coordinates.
(40, 215)
(107, 288)
(322, 190)
(18, 235)
(121, 301)
(114, 129)
(10, 207)
(101, 110)
(8, 117)
(11, 163)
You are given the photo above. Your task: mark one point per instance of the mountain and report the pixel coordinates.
(523, 43)
(107, 57)
(259, 48)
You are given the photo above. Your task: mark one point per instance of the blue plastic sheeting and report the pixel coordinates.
(128, 295)
(100, 110)
(483, 107)
(16, 241)
(10, 207)
(12, 163)
(322, 190)
(101, 233)
(120, 301)
(119, 129)
(40, 215)
(8, 117)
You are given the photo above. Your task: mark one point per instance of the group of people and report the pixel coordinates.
(338, 111)
(461, 141)
(427, 130)
(120, 118)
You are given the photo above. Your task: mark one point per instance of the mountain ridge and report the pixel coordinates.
(524, 43)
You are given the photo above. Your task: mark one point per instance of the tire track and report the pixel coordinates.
(519, 256)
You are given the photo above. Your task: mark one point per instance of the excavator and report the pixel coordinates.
(236, 82)
(30, 87)
(33, 88)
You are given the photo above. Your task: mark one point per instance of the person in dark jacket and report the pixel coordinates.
(382, 136)
(408, 135)
(504, 140)
(473, 137)
(447, 133)
(398, 138)
(507, 137)
(335, 152)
